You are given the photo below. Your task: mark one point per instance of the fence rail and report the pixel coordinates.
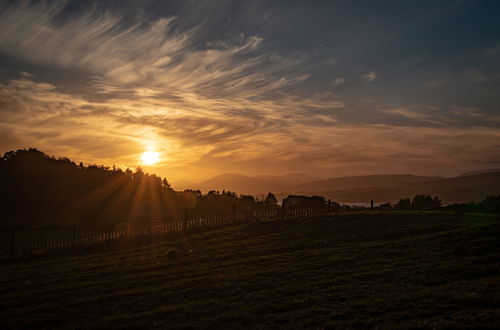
(23, 242)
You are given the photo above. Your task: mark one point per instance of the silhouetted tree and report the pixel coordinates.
(403, 204)
(385, 206)
(491, 204)
(271, 199)
(247, 199)
(139, 174)
(165, 184)
(295, 201)
(425, 202)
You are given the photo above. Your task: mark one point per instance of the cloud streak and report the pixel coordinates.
(135, 52)
(370, 76)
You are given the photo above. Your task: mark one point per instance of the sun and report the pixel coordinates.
(150, 157)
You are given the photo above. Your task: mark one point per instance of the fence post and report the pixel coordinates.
(283, 209)
(74, 236)
(329, 206)
(371, 205)
(12, 236)
(234, 212)
(184, 224)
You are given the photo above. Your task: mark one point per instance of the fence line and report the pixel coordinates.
(75, 239)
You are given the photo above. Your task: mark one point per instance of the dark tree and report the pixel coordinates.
(403, 204)
(270, 199)
(425, 202)
(491, 204)
(294, 201)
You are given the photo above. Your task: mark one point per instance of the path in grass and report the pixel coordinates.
(350, 270)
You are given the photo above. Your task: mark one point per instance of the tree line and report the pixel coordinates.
(490, 204)
(39, 190)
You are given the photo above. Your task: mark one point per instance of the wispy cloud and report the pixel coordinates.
(407, 113)
(370, 76)
(192, 129)
(457, 116)
(153, 53)
(337, 81)
(215, 138)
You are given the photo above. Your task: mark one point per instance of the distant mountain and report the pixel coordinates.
(450, 190)
(380, 188)
(240, 184)
(288, 179)
(489, 170)
(243, 184)
(365, 181)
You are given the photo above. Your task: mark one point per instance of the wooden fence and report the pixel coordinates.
(23, 242)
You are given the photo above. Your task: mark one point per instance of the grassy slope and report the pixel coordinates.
(353, 270)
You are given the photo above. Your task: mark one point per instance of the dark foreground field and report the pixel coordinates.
(352, 270)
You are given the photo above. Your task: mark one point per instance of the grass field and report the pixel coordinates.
(424, 269)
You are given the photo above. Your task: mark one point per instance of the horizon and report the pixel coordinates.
(25, 170)
(182, 182)
(191, 90)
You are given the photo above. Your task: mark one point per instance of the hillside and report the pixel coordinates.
(406, 270)
(300, 183)
(288, 179)
(450, 190)
(365, 181)
(490, 170)
(381, 188)
(241, 184)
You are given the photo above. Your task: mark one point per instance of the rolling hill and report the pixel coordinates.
(380, 188)
(365, 181)
(450, 190)
(241, 184)
(489, 170)
(297, 183)
(289, 179)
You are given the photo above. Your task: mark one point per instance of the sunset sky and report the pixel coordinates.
(328, 88)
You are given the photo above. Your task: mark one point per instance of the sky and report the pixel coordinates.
(328, 88)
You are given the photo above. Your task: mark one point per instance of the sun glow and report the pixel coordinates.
(150, 157)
